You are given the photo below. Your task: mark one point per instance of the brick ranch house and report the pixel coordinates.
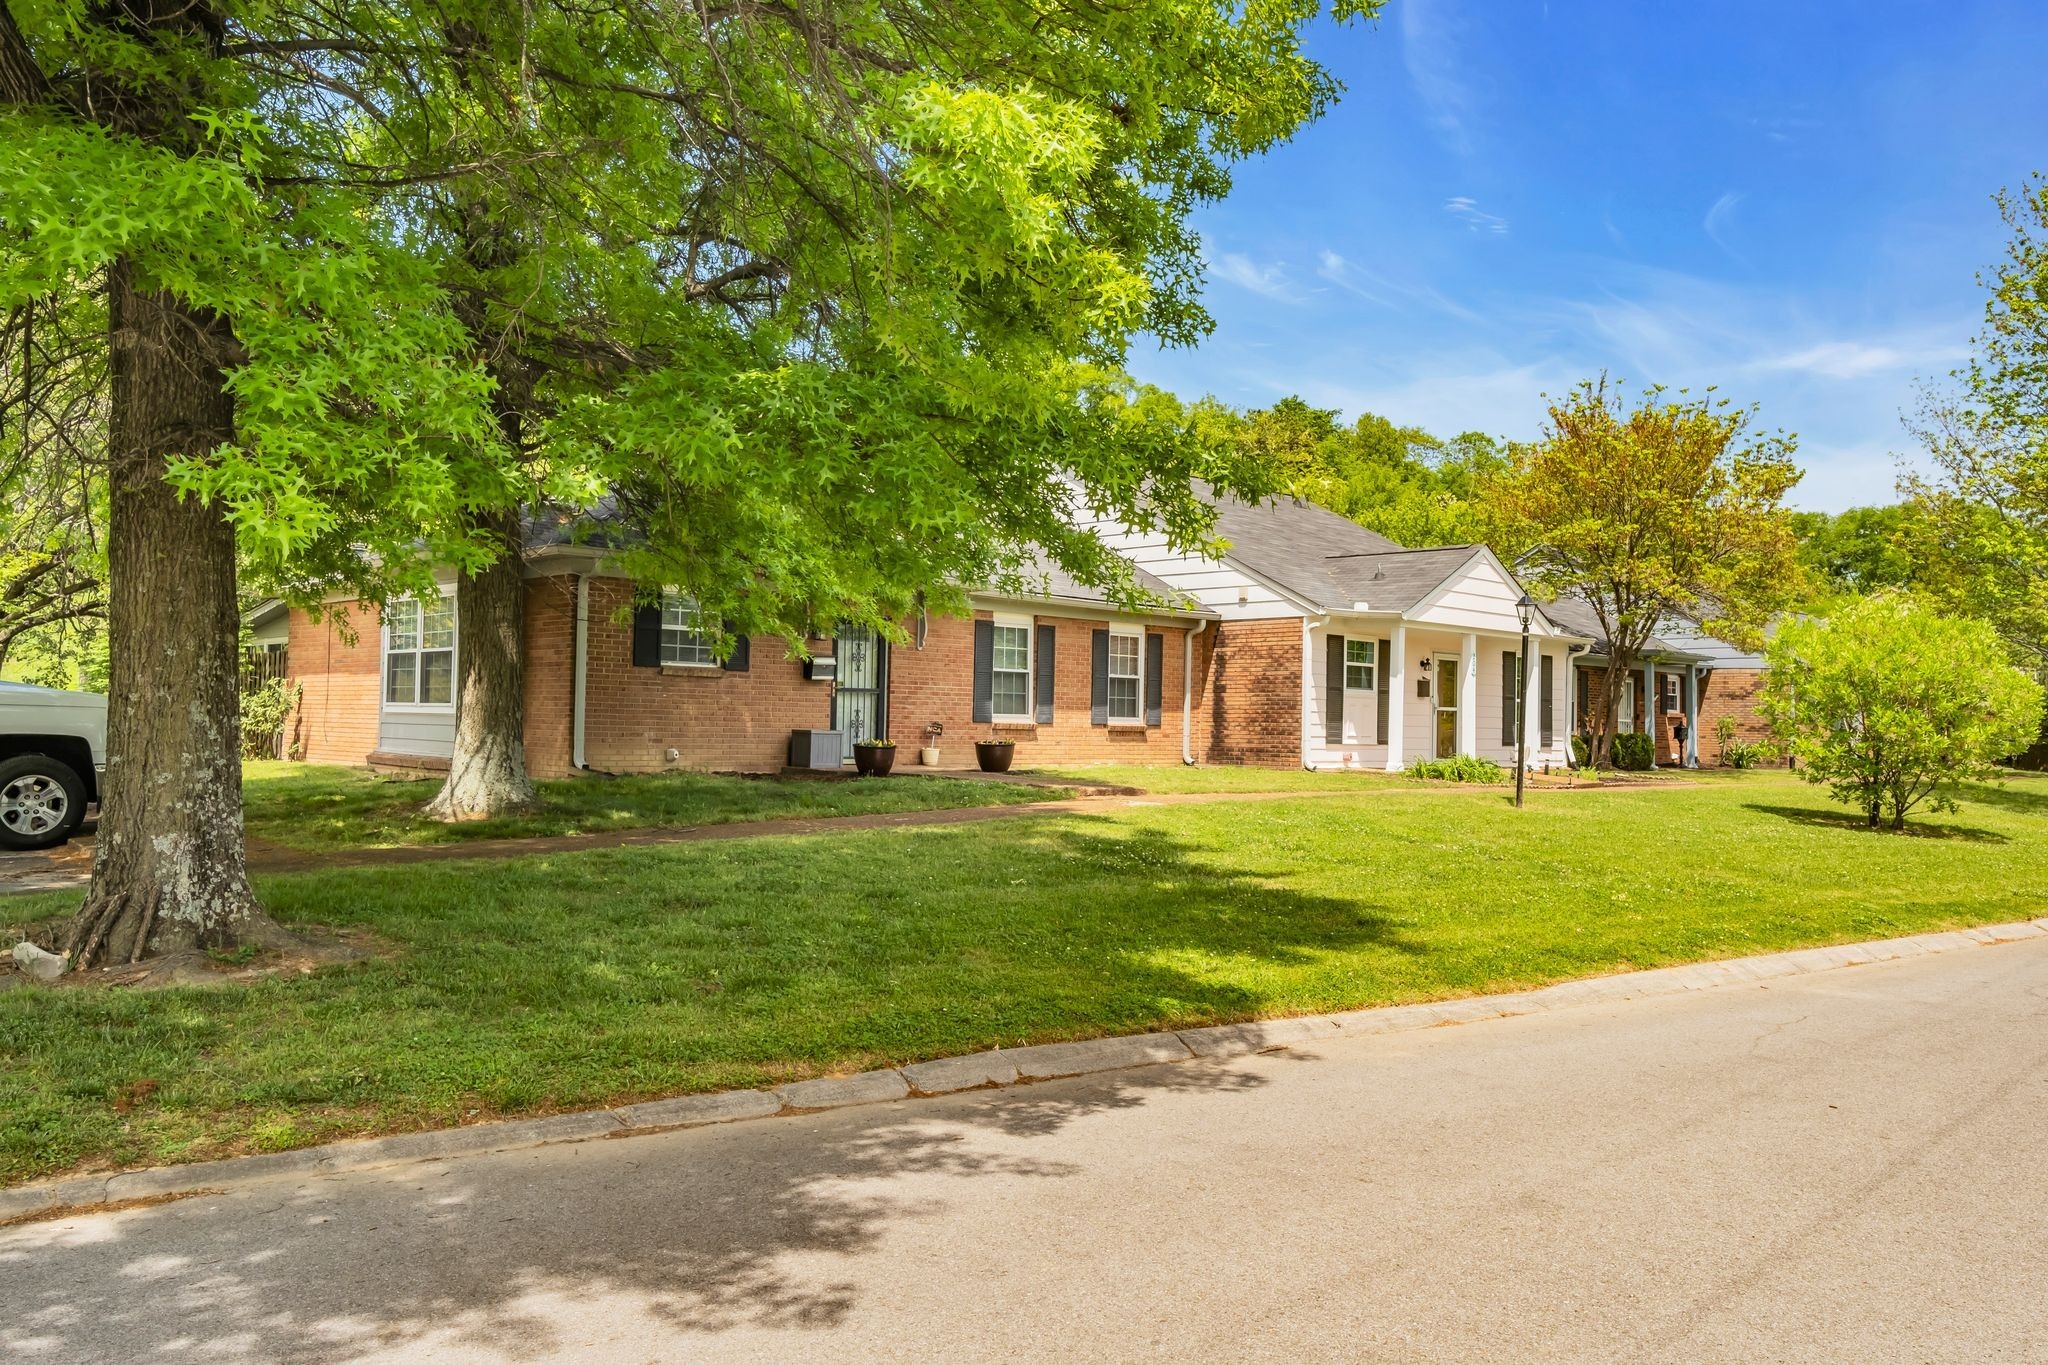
(1687, 681)
(1310, 642)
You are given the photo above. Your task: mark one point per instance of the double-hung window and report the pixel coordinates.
(1126, 675)
(419, 652)
(683, 641)
(1010, 672)
(1358, 665)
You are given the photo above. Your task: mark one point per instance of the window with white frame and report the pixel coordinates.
(419, 652)
(683, 641)
(1010, 672)
(1126, 675)
(1359, 661)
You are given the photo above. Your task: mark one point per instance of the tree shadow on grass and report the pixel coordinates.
(1858, 824)
(661, 1238)
(1076, 926)
(2022, 796)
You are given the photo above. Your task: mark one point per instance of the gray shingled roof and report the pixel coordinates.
(1330, 561)
(1576, 615)
(1042, 577)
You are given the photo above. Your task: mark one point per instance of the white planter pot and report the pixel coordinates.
(929, 755)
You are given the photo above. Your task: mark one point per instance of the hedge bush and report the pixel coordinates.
(1635, 753)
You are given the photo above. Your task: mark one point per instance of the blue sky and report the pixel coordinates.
(1789, 200)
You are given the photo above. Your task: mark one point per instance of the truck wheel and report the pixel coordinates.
(41, 802)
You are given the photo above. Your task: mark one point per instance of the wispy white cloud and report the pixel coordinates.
(1855, 359)
(1386, 290)
(1268, 280)
(1467, 211)
(1720, 217)
(1430, 34)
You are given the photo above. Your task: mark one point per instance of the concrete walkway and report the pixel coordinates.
(1842, 1165)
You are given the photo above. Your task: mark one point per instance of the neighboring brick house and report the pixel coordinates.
(1311, 642)
(1687, 681)
(1335, 647)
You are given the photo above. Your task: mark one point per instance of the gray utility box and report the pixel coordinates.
(816, 748)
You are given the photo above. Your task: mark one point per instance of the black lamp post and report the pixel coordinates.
(1527, 609)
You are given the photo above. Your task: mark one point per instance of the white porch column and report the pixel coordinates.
(1397, 696)
(1468, 695)
(1692, 715)
(1532, 707)
(1646, 719)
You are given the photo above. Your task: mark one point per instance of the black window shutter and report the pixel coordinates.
(1549, 720)
(1333, 690)
(1380, 671)
(984, 670)
(1045, 674)
(1098, 679)
(740, 660)
(647, 635)
(1155, 677)
(1510, 706)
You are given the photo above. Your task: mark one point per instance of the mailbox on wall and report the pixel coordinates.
(821, 668)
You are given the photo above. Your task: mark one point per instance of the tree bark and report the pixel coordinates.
(168, 869)
(487, 770)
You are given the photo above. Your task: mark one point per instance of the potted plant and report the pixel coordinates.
(929, 754)
(874, 757)
(994, 755)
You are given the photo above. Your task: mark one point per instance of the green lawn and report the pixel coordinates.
(570, 980)
(317, 807)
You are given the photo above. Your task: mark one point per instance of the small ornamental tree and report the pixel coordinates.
(1893, 704)
(1650, 510)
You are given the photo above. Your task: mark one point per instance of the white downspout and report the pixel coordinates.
(581, 669)
(1187, 694)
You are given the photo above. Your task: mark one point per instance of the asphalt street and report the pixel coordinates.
(1842, 1166)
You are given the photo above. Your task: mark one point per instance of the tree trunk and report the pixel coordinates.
(487, 771)
(168, 870)
(1602, 755)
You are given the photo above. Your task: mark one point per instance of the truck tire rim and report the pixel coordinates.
(33, 804)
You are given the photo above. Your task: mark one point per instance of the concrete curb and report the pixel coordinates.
(983, 1070)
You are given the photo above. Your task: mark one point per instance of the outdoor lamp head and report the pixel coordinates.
(1527, 608)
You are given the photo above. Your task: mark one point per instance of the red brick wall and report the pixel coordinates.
(550, 673)
(336, 720)
(936, 683)
(714, 719)
(1251, 696)
(1730, 692)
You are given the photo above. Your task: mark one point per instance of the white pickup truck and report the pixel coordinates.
(53, 748)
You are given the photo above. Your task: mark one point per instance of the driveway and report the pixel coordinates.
(1843, 1166)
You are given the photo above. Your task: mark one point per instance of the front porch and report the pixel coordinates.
(1660, 698)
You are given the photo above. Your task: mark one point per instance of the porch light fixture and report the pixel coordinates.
(1426, 662)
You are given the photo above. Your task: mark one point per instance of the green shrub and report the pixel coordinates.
(1582, 752)
(265, 709)
(1459, 769)
(1635, 753)
(1746, 753)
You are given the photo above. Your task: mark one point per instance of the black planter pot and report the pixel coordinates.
(874, 760)
(994, 755)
